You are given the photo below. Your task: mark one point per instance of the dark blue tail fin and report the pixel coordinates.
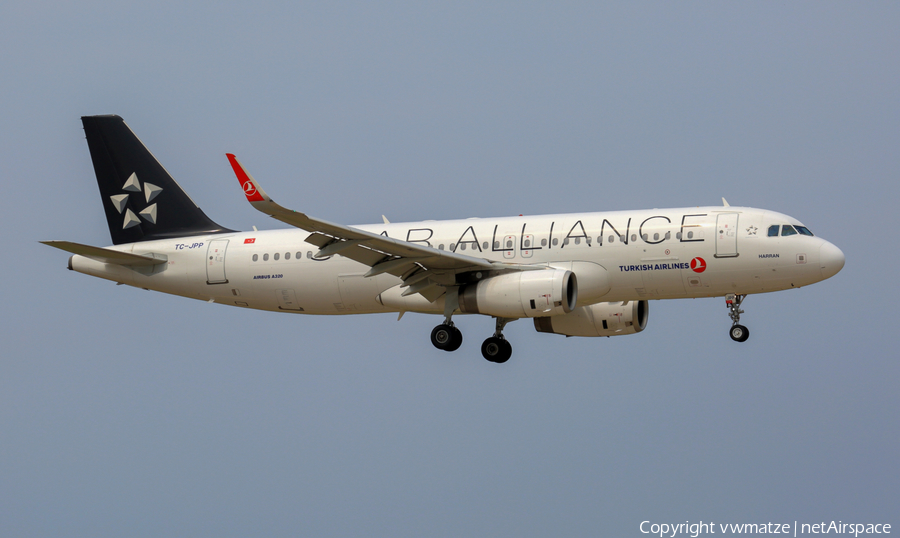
(141, 200)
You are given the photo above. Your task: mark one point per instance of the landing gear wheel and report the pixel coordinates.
(442, 336)
(496, 350)
(455, 340)
(505, 352)
(446, 337)
(739, 333)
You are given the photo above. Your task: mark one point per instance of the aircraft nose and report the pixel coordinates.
(831, 260)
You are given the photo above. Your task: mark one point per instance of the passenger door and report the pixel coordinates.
(726, 235)
(215, 262)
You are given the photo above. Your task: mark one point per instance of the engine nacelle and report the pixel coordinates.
(601, 319)
(523, 294)
(593, 280)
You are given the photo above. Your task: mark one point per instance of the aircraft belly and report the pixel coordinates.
(359, 294)
(284, 288)
(317, 292)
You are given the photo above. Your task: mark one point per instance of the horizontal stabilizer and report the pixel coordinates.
(105, 255)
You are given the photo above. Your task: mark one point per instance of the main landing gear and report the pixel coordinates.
(446, 336)
(738, 332)
(495, 349)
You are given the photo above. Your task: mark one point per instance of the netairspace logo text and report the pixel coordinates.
(694, 530)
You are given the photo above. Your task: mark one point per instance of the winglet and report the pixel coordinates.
(725, 202)
(251, 188)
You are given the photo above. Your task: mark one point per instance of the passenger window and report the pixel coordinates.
(265, 257)
(612, 239)
(309, 254)
(690, 235)
(299, 255)
(496, 245)
(555, 241)
(484, 246)
(543, 242)
(633, 238)
(773, 230)
(509, 244)
(566, 241)
(453, 247)
(678, 236)
(256, 257)
(804, 230)
(287, 255)
(787, 229)
(528, 243)
(643, 236)
(276, 257)
(462, 246)
(441, 246)
(656, 237)
(577, 240)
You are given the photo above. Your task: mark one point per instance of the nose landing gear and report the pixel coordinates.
(738, 332)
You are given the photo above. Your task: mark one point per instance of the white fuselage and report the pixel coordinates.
(648, 254)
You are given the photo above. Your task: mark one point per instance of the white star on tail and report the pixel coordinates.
(120, 202)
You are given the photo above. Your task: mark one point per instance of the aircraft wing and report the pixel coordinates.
(424, 269)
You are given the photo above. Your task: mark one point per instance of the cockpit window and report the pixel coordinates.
(787, 229)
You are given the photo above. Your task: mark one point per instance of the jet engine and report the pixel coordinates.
(601, 319)
(523, 294)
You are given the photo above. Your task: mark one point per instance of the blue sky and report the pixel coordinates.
(125, 412)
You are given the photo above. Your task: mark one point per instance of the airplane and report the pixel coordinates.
(576, 274)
